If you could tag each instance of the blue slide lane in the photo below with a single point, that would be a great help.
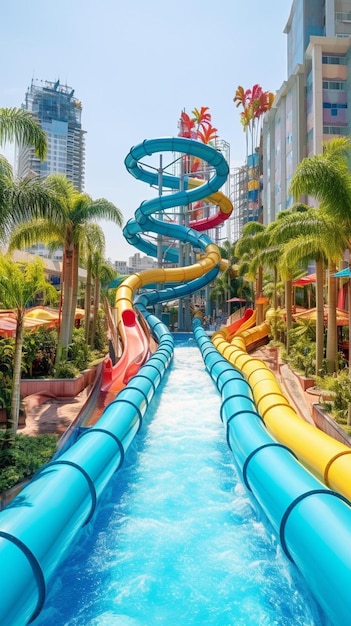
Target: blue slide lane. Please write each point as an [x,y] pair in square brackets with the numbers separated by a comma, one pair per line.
[313,522]
[40,524]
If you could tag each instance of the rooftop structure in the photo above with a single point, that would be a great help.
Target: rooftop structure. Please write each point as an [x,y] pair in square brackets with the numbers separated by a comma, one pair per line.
[59,113]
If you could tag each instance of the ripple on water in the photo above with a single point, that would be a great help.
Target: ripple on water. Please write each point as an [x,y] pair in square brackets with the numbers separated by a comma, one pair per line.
[176,538]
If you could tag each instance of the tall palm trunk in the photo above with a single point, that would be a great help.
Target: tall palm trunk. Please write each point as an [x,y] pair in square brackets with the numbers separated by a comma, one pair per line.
[275,303]
[64,337]
[75,283]
[332,338]
[288,309]
[259,286]
[349,305]
[17,360]
[320,315]
[97,292]
[87,301]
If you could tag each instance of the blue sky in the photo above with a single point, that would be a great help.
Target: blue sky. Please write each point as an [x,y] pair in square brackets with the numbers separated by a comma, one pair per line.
[135,66]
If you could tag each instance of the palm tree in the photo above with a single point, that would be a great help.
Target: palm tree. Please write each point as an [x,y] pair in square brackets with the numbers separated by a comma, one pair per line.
[309,234]
[20,126]
[67,228]
[253,240]
[94,241]
[102,273]
[326,177]
[255,103]
[230,272]
[18,286]
[22,200]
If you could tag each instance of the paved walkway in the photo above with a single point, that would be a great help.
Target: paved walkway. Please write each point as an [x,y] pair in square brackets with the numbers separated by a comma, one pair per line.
[54,415]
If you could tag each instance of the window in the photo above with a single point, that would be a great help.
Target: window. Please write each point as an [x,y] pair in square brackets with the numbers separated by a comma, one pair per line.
[334,60]
[335,130]
[333,84]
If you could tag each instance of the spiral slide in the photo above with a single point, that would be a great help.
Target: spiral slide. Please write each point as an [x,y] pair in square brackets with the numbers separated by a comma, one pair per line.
[135,346]
[39,526]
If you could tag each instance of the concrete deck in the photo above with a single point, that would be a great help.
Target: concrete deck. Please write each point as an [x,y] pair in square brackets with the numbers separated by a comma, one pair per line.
[54,415]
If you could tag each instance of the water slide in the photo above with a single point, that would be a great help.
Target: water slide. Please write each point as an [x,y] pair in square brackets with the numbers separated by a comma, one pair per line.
[135,347]
[246,321]
[312,521]
[39,526]
[325,457]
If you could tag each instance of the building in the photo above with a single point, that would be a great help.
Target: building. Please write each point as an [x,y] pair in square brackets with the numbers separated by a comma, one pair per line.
[137,263]
[120,266]
[312,105]
[59,114]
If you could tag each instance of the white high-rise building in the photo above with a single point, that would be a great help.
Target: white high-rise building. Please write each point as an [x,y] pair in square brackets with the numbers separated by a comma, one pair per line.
[313,104]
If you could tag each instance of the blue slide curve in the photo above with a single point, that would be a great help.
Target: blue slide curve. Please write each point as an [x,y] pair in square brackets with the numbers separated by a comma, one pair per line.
[40,524]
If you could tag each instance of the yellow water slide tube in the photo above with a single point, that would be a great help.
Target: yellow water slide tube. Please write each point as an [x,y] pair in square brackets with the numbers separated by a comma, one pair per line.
[328,459]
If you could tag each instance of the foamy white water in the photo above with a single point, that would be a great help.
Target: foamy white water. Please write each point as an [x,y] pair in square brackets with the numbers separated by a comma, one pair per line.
[176,539]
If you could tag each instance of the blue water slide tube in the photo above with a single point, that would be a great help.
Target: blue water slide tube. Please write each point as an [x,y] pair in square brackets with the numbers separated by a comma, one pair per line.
[143,221]
[41,522]
[39,525]
[312,522]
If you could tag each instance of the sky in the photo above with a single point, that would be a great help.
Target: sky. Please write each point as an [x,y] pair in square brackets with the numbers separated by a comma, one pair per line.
[135,66]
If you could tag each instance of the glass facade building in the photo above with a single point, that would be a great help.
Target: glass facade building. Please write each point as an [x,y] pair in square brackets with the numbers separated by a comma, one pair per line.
[59,113]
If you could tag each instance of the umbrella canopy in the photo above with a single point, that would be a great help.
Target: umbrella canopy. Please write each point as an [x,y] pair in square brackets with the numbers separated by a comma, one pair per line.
[304,280]
[342,318]
[346,273]
[33,319]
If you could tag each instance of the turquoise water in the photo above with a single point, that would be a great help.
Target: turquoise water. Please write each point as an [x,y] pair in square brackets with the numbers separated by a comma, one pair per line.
[176,539]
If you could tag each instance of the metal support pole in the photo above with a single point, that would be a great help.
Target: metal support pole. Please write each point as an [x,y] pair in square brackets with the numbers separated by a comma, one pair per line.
[181,248]
[158,306]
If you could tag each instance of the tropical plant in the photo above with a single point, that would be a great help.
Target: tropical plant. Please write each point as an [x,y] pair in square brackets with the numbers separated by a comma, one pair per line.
[307,234]
[67,229]
[93,242]
[337,399]
[19,284]
[102,273]
[252,242]
[302,355]
[326,177]
[22,200]
[27,456]
[230,273]
[255,103]
[21,126]
[39,350]
[199,127]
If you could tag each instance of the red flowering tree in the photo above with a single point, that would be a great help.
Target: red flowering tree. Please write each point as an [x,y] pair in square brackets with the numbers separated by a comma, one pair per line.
[255,103]
[199,127]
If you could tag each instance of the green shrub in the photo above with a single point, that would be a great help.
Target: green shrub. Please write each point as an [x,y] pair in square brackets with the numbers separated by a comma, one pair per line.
[78,350]
[302,354]
[66,369]
[100,337]
[25,458]
[337,396]
[39,351]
